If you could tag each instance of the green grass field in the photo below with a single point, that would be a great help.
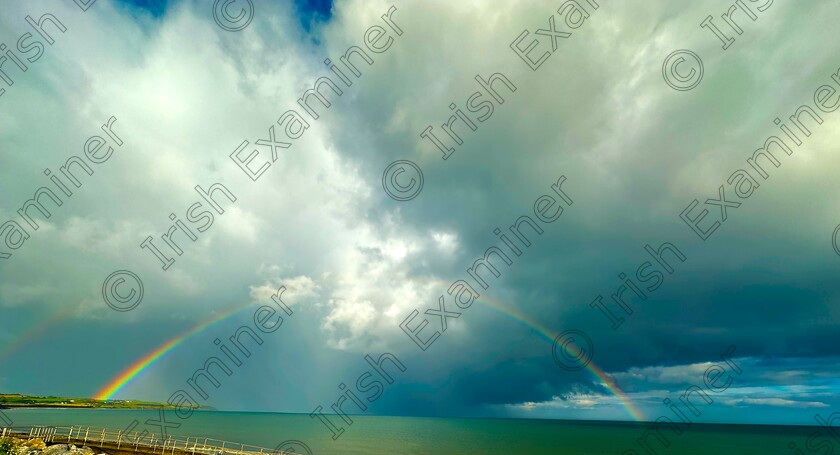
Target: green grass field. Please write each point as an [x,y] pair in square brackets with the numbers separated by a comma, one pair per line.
[16,400]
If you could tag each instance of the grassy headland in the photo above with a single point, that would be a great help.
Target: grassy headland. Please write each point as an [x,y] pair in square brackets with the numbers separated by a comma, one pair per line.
[14,400]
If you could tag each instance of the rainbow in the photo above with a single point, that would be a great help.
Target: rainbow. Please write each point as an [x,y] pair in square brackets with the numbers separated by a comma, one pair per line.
[33,334]
[132,371]
[605,380]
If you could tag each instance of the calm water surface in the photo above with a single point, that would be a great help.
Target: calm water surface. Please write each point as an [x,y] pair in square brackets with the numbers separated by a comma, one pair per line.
[371,435]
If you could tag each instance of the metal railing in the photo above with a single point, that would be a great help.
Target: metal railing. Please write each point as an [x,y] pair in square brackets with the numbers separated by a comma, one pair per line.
[140,442]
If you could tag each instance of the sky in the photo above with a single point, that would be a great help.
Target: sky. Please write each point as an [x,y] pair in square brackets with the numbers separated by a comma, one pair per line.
[356,263]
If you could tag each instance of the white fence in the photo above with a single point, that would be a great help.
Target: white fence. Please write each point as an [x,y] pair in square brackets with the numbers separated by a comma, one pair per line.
[141,442]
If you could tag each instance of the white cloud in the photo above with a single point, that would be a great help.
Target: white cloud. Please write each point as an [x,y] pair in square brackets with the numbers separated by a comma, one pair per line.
[775,402]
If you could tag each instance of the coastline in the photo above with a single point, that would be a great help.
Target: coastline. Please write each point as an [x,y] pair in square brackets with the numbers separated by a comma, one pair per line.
[70,406]
[18,401]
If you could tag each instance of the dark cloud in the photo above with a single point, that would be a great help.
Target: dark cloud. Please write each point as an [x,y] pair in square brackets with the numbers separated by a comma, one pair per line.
[634,152]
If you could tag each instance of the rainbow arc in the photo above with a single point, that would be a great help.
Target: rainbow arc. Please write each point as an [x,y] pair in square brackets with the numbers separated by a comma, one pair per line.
[137,368]
[133,371]
[602,376]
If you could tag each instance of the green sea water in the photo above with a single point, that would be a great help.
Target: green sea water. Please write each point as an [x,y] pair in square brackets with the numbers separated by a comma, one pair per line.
[370,435]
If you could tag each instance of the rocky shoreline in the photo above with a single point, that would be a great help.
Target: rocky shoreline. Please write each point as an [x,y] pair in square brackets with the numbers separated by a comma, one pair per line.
[36,446]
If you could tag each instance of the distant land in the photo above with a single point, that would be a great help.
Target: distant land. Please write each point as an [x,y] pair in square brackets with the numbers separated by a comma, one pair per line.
[15,400]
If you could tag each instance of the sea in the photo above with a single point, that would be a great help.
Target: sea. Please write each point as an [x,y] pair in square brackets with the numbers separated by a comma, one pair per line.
[372,435]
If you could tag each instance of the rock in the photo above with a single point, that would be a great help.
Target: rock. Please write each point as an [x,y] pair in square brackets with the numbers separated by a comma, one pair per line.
[38,447]
[85,450]
[34,445]
[58,449]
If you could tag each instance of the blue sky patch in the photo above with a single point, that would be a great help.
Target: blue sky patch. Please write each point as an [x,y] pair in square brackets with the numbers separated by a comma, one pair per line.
[313,11]
[155,7]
